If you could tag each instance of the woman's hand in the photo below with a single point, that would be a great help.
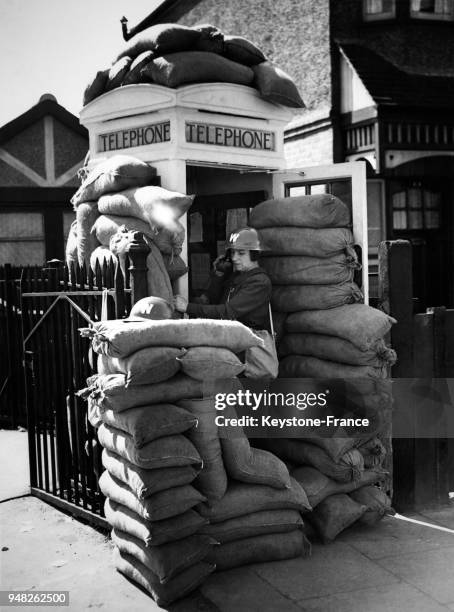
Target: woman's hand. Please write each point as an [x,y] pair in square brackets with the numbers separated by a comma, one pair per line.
[180,303]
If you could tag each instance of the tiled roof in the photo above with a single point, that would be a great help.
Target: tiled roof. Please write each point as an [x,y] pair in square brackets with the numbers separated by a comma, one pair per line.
[389,85]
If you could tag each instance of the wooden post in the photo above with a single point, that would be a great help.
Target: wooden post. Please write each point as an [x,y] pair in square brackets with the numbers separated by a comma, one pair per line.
[138,251]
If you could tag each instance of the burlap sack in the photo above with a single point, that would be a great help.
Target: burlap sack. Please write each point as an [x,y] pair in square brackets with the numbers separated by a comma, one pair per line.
[376,501]
[170,242]
[293,298]
[143,482]
[360,324]
[334,514]
[299,270]
[163,38]
[71,257]
[333,348]
[114,174]
[119,338]
[307,241]
[118,72]
[317,211]
[276,86]
[146,423]
[156,507]
[86,215]
[164,594]
[242,50]
[100,256]
[166,452]
[167,560]
[134,74]
[255,524]
[262,548]
[210,363]
[175,266]
[300,366]
[242,498]
[96,87]
[212,480]
[153,533]
[106,226]
[178,69]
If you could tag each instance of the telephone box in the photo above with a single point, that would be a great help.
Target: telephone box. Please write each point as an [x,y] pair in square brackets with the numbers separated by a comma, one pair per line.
[223,143]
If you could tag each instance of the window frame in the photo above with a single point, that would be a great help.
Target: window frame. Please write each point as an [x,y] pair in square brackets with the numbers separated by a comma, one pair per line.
[418,14]
[379,16]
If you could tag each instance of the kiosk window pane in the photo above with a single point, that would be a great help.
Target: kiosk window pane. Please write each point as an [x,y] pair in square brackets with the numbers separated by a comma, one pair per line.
[22,253]
[21,225]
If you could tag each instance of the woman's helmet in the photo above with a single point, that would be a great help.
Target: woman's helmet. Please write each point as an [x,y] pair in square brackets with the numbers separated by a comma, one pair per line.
[245,238]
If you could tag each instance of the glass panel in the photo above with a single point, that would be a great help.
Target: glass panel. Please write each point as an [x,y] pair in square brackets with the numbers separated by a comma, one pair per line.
[399,200]
[21,225]
[68,218]
[374,9]
[415,218]
[22,253]
[432,219]
[432,200]
[415,198]
[319,189]
[294,191]
[343,191]
[400,219]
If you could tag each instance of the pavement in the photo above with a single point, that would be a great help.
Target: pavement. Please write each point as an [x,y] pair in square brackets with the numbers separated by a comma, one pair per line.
[397,565]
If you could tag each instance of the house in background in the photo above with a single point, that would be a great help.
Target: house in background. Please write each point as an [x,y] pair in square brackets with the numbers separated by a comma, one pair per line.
[377,77]
[40,153]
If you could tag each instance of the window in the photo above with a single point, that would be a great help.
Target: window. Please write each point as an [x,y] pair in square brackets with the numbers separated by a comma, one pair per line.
[416,208]
[22,238]
[379,9]
[441,10]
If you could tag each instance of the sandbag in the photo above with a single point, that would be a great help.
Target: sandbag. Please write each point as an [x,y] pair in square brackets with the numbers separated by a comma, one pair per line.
[86,215]
[106,226]
[318,486]
[156,507]
[144,483]
[373,453]
[118,72]
[96,87]
[333,348]
[170,241]
[294,298]
[196,67]
[100,256]
[277,86]
[334,514]
[316,211]
[168,560]
[262,548]
[210,363]
[119,338]
[335,446]
[300,366]
[113,174]
[166,452]
[109,391]
[242,498]
[175,266]
[163,38]
[212,480]
[211,38]
[164,594]
[298,452]
[71,257]
[134,74]
[257,523]
[299,270]
[376,501]
[360,324]
[242,50]
[307,241]
[149,365]
[153,533]
[146,423]
[155,205]
[247,464]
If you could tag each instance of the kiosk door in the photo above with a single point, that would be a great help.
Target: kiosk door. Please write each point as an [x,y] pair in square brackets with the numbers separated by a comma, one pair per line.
[347,181]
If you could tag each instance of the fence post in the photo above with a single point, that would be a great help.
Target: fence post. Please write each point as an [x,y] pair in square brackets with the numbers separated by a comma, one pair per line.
[138,251]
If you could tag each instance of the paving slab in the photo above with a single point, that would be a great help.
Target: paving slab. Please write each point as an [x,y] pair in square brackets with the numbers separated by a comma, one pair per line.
[386,598]
[393,536]
[334,568]
[429,571]
[242,590]
[442,516]
[15,473]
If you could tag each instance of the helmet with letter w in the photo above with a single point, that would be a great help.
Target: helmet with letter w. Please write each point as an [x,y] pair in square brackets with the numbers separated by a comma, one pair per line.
[245,238]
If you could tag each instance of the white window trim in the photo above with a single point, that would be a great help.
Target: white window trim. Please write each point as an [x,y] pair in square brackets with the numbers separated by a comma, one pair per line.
[379,16]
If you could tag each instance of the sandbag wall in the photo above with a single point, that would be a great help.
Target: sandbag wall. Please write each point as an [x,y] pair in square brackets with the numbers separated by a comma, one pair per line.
[327,333]
[117,198]
[172,55]
[181,498]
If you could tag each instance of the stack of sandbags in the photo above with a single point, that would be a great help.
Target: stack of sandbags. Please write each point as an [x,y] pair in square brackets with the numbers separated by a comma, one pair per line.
[139,390]
[171,55]
[117,198]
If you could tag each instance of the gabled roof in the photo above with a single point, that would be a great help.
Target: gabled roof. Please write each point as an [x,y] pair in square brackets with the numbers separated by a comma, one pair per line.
[47,105]
[389,85]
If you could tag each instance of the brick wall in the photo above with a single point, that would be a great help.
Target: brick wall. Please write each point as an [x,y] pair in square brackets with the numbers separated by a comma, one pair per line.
[314,150]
